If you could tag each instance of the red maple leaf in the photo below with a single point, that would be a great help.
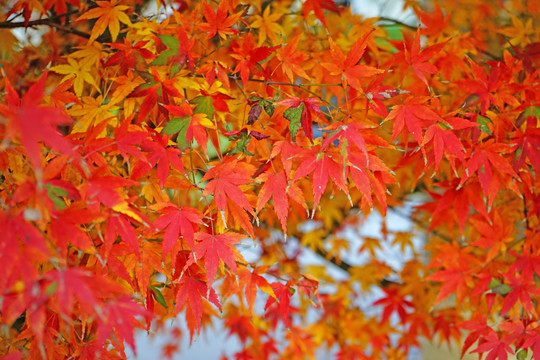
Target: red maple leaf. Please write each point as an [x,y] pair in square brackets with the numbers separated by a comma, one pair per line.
[417,59]
[32,123]
[413,115]
[161,155]
[275,186]
[310,110]
[249,57]
[71,284]
[488,161]
[323,165]
[254,280]
[317,7]
[522,291]
[218,22]
[224,179]
[129,55]
[192,291]
[347,68]
[214,249]
[178,221]
[444,141]
[120,317]
[498,348]
[281,303]
[393,301]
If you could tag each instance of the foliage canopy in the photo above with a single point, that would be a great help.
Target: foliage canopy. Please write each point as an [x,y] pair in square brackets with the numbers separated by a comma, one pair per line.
[141,151]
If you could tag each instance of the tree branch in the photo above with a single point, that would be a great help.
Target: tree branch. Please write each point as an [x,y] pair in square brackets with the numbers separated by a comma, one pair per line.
[44,22]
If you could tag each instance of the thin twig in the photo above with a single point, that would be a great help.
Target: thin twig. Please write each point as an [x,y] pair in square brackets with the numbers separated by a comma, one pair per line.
[398,22]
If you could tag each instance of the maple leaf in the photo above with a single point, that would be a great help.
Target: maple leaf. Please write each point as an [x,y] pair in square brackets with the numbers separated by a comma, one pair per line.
[60,6]
[528,143]
[484,160]
[66,231]
[323,165]
[393,301]
[376,92]
[282,301]
[436,23]
[161,156]
[191,291]
[188,126]
[519,32]
[255,280]
[452,279]
[275,186]
[301,112]
[119,317]
[495,236]
[73,283]
[79,71]
[317,7]
[413,114]
[484,85]
[478,330]
[527,263]
[218,22]
[522,291]
[498,349]
[291,59]
[444,141]
[268,26]
[417,59]
[454,204]
[216,249]
[127,141]
[129,56]
[348,132]
[109,15]
[249,57]
[33,123]
[178,221]
[347,68]
[224,179]
[119,225]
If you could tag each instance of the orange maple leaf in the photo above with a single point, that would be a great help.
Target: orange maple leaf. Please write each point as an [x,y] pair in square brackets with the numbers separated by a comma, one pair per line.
[109,16]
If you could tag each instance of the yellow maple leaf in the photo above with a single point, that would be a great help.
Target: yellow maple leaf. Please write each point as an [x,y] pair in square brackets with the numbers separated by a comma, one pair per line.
[92,111]
[268,26]
[109,15]
[79,71]
[313,240]
[519,32]
[126,84]
[90,54]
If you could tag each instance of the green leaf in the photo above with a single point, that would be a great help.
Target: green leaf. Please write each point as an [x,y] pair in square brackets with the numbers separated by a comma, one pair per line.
[242,144]
[159,297]
[521,355]
[294,115]
[55,193]
[169,40]
[173,44]
[484,121]
[393,32]
[268,107]
[205,105]
[179,125]
[502,289]
[175,125]
[51,288]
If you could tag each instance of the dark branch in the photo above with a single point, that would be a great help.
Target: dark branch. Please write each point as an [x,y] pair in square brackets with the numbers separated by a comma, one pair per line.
[44,22]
